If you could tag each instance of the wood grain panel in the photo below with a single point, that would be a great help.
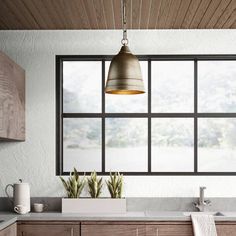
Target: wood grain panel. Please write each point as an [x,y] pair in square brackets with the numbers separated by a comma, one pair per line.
[163,14]
[9,18]
[33,10]
[17,7]
[136,13]
[154,13]
[209,13]
[9,231]
[226,14]
[193,7]
[99,228]
[117,13]
[106,14]
[57,15]
[145,14]
[61,229]
[99,14]
[82,14]
[233,26]
[182,11]
[200,12]
[226,229]
[230,21]
[12,100]
[217,14]
[3,25]
[169,230]
[114,230]
[71,10]
[108,10]
[129,14]
[44,12]
[174,7]
[91,13]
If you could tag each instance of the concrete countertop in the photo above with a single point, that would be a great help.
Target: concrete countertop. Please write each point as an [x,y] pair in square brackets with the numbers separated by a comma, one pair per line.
[10,218]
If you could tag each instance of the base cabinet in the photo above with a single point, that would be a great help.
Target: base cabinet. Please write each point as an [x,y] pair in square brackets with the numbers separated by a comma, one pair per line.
[58,229]
[9,231]
[99,228]
[226,229]
[169,230]
[136,230]
[114,230]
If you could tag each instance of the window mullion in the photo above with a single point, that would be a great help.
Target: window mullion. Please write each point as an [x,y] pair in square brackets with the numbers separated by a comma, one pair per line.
[149,117]
[103,117]
[195,116]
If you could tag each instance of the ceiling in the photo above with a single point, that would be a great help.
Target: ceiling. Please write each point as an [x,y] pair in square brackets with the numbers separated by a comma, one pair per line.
[106,14]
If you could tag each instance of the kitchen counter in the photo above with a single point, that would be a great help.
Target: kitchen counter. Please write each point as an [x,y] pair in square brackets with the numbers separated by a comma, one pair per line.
[9,217]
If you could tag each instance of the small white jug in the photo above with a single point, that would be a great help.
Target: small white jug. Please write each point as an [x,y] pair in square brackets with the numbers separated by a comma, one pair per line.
[21,194]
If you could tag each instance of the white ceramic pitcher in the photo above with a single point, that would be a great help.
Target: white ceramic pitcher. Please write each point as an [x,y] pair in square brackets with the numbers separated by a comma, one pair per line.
[21,194]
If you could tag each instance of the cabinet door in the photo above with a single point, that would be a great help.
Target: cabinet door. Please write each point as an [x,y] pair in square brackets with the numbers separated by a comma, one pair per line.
[9,231]
[114,230]
[226,230]
[169,230]
[48,230]
[12,100]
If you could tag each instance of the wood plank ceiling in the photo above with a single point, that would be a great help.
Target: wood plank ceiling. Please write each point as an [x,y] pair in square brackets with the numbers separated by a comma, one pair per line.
[106,14]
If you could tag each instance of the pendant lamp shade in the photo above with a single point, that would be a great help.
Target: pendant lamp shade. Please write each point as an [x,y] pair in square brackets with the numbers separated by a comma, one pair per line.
[124,76]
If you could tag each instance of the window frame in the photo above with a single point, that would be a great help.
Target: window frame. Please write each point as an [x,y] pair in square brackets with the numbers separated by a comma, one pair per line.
[149,58]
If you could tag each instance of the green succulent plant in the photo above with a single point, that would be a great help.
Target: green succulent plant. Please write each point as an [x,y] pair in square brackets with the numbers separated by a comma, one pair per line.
[115,185]
[74,185]
[95,185]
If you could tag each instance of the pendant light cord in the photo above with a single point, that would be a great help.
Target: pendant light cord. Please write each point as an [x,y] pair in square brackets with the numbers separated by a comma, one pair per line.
[124,41]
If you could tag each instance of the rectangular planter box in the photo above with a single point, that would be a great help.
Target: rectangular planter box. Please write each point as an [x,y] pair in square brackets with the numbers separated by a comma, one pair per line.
[94,205]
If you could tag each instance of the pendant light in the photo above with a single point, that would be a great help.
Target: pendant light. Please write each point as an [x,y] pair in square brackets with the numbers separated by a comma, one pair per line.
[124,75]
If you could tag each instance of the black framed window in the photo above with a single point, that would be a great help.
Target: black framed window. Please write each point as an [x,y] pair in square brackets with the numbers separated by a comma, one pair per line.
[185,123]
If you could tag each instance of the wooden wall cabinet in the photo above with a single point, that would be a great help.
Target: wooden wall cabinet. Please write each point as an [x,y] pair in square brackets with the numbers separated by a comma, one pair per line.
[12,100]
[9,231]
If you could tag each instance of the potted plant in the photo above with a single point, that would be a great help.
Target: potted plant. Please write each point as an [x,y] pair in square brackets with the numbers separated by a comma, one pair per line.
[95,185]
[115,185]
[95,204]
[73,185]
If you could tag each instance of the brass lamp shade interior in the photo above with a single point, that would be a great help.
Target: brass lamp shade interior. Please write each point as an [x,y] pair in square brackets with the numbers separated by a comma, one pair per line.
[124,76]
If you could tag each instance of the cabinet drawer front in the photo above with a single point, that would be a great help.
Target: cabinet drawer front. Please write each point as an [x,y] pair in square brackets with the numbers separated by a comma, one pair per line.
[226,230]
[48,230]
[169,230]
[114,230]
[9,231]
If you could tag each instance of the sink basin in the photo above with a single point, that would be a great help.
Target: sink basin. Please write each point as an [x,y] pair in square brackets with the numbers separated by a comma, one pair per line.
[204,213]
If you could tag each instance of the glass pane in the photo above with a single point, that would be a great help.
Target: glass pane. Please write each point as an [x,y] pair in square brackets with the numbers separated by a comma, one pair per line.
[172,144]
[217,144]
[172,86]
[128,103]
[82,144]
[82,86]
[216,86]
[126,144]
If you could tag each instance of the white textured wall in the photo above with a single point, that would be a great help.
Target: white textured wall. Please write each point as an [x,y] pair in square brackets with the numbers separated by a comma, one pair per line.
[34,160]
